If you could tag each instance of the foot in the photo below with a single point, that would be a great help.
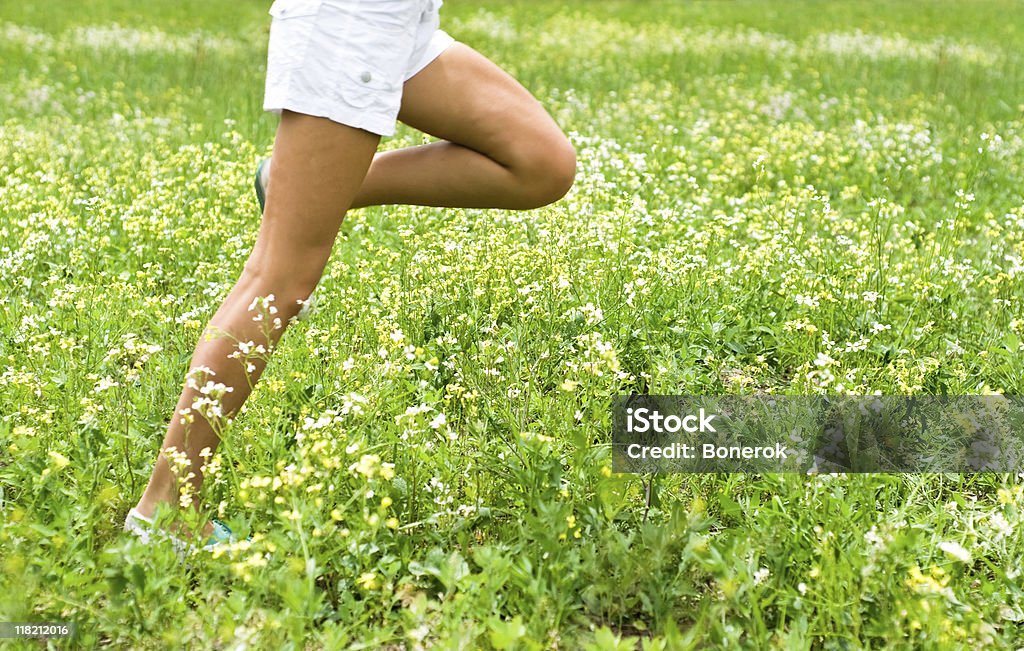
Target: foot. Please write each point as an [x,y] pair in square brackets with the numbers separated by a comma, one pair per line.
[145,513]
[144,529]
[261,181]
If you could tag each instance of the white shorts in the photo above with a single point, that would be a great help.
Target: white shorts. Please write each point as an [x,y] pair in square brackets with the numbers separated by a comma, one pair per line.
[347,60]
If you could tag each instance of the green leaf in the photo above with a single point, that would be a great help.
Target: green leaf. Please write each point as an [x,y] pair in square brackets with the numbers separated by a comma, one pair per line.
[504,632]
[138,576]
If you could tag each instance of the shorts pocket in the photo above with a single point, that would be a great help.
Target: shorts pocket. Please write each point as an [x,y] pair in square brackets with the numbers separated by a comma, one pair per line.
[363,87]
[369,47]
[363,81]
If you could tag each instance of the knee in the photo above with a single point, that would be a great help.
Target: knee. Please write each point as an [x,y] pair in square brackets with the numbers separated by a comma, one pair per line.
[550,171]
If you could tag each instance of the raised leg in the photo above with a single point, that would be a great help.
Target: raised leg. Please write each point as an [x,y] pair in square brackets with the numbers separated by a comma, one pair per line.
[499,148]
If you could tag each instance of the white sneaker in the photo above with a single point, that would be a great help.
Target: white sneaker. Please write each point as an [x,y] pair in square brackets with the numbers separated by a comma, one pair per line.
[144,528]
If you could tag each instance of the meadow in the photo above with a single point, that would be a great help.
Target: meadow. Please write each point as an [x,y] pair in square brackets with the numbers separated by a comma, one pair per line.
[799,198]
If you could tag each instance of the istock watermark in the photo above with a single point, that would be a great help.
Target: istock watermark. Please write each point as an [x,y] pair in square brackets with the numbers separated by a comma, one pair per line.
[645,420]
[809,434]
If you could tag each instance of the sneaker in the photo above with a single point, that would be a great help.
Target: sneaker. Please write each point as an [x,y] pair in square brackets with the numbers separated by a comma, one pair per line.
[144,528]
[260,182]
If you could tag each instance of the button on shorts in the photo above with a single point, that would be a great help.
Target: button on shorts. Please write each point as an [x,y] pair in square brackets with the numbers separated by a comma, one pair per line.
[347,60]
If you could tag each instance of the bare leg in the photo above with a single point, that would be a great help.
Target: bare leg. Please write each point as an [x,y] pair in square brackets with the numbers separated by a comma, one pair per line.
[320,166]
[499,148]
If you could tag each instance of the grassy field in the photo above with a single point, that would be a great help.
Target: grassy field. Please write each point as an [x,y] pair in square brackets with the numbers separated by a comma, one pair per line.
[798,198]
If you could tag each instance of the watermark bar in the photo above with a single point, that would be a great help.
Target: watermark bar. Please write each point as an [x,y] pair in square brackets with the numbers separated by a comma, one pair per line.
[818,434]
[36,629]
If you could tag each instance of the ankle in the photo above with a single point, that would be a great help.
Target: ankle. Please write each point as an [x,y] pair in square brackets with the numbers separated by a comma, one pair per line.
[147,507]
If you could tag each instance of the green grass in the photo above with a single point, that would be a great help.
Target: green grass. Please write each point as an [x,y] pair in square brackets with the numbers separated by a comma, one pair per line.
[767,201]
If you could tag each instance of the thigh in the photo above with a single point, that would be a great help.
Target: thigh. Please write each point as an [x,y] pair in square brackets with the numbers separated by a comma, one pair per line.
[463,97]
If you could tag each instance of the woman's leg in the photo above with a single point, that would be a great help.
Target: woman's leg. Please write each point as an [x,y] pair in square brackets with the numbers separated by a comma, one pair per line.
[499,148]
[319,166]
